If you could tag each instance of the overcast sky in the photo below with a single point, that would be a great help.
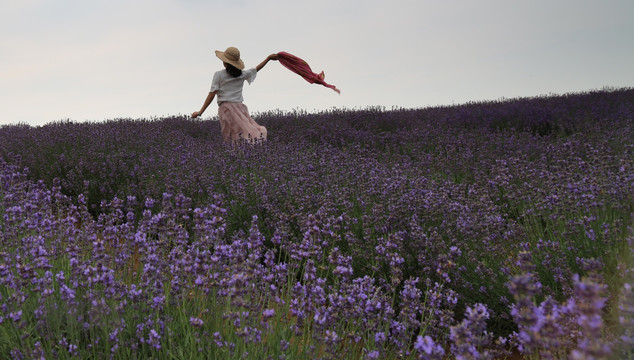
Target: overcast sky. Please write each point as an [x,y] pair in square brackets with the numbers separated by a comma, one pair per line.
[97,60]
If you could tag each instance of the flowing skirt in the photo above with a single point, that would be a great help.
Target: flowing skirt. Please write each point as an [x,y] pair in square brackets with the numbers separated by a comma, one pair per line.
[236,124]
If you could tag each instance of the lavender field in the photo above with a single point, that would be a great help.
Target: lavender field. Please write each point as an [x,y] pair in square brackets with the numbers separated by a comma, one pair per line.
[487,230]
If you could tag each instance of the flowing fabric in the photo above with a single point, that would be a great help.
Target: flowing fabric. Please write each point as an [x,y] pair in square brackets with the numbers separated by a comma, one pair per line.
[301,67]
[237,124]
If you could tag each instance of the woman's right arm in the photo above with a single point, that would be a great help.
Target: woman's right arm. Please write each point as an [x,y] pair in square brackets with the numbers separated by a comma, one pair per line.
[268,58]
[208,100]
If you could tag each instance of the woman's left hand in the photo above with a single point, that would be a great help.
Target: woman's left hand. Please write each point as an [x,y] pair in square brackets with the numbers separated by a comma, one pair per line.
[195,114]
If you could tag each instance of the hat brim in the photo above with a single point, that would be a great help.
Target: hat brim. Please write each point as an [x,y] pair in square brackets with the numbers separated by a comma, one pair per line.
[238,64]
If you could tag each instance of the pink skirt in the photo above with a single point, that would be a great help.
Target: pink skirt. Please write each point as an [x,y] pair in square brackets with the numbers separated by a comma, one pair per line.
[236,123]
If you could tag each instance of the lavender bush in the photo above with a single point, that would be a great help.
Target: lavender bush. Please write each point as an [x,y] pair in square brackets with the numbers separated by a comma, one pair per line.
[474,231]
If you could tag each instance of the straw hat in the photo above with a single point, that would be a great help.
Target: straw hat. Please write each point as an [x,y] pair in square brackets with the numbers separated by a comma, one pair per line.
[231,56]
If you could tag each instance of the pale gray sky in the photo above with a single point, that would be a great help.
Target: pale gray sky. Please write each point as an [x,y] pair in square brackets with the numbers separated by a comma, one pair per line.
[97,60]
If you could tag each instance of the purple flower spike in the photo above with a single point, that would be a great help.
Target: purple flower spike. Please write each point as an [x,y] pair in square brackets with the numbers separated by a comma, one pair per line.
[373,355]
[427,349]
[154,339]
[589,302]
[16,316]
[196,322]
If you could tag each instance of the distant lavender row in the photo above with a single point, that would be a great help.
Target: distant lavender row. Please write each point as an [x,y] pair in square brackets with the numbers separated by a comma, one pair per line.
[461,226]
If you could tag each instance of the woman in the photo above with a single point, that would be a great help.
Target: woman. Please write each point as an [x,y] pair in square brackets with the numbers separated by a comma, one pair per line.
[235,121]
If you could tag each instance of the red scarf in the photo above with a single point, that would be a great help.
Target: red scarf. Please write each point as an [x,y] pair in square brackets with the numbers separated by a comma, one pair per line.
[301,67]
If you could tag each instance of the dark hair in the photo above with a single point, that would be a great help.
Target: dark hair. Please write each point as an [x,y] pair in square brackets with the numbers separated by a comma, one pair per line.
[232,70]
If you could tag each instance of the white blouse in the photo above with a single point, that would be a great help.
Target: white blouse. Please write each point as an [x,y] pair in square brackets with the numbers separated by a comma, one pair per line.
[229,88]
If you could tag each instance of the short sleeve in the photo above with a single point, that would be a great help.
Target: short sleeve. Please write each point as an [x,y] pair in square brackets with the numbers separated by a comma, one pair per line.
[215,83]
[249,75]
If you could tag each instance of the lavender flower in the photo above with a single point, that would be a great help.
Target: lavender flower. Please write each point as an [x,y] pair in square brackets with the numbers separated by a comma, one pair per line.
[196,322]
[588,304]
[427,349]
[373,355]
[154,339]
[470,338]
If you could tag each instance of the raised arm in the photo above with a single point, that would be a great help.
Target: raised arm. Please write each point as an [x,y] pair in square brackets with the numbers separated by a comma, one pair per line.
[208,100]
[268,58]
